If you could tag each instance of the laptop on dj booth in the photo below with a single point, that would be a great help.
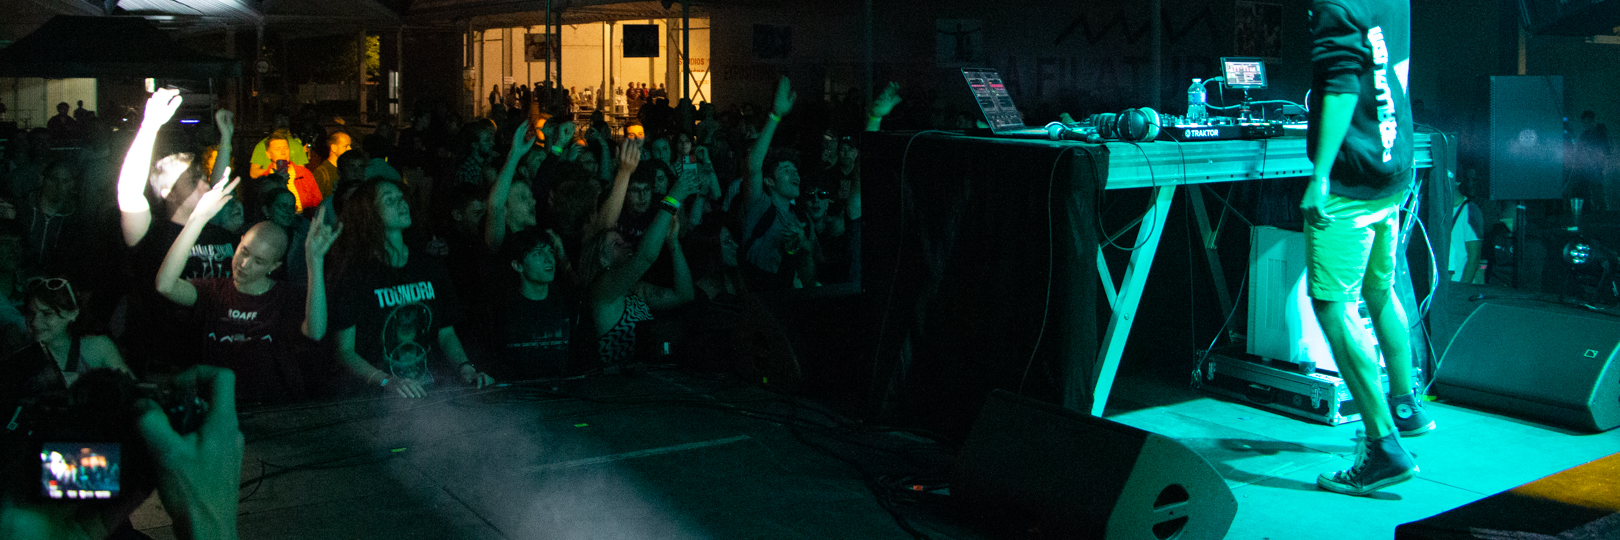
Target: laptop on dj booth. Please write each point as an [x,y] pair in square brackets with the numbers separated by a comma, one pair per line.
[997,105]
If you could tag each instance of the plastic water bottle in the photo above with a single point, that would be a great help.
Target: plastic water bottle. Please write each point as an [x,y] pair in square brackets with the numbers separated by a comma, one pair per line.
[1196,113]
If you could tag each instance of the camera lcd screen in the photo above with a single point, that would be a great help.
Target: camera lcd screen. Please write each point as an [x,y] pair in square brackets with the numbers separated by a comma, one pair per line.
[70,470]
[1248,73]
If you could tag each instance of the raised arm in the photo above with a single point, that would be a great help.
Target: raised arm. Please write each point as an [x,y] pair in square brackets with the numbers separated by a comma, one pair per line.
[618,280]
[1329,136]
[226,121]
[882,105]
[629,159]
[661,298]
[136,214]
[168,282]
[495,218]
[754,180]
[316,245]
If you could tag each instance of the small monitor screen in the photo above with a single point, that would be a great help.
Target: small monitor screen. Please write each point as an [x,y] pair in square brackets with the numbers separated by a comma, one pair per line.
[79,470]
[1244,72]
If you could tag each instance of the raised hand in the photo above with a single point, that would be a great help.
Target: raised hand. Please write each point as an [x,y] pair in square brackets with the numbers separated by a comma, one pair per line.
[522,140]
[785,96]
[321,236]
[885,101]
[225,120]
[556,244]
[161,107]
[213,200]
[686,184]
[629,155]
[559,134]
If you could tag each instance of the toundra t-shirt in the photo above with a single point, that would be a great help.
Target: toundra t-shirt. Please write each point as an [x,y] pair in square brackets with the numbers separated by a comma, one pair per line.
[396,313]
[255,336]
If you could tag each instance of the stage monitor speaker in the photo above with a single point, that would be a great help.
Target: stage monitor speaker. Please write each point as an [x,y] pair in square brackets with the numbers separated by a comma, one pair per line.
[1028,463]
[1527,137]
[1551,366]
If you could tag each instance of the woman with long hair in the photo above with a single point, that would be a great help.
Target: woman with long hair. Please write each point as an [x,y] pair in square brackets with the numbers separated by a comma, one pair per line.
[391,307]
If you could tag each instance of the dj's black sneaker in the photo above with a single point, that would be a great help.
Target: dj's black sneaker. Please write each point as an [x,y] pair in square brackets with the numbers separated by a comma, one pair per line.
[1409,416]
[1380,463]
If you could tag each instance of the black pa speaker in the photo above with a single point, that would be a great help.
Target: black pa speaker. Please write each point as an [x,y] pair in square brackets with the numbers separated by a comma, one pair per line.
[1028,463]
[1527,137]
[1550,366]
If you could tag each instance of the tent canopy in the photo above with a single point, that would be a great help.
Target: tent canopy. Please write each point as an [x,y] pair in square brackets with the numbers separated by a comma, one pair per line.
[74,46]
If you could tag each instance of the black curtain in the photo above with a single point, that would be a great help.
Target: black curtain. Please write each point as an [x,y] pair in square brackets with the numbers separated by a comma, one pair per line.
[981,264]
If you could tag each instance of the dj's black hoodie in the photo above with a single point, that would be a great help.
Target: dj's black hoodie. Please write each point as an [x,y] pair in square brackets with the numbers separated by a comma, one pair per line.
[1364,47]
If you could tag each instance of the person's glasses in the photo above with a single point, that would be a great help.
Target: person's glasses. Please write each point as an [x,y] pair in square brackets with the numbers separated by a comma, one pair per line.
[820,194]
[57,284]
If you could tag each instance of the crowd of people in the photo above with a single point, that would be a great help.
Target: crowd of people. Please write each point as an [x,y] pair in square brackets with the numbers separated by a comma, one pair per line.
[517,246]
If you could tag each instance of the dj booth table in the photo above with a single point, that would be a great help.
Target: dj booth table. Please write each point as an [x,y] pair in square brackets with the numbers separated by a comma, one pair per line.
[948,215]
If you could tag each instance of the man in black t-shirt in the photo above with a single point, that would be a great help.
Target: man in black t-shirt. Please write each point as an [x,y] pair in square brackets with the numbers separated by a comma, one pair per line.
[1360,142]
[532,325]
[151,335]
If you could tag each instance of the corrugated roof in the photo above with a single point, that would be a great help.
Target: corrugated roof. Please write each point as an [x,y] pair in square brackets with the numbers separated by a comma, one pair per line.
[75,46]
[509,13]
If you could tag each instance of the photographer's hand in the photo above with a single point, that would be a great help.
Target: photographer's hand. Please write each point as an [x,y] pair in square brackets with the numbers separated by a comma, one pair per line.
[198,473]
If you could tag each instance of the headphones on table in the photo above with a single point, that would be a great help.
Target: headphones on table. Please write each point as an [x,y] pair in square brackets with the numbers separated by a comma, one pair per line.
[1140,124]
[1137,125]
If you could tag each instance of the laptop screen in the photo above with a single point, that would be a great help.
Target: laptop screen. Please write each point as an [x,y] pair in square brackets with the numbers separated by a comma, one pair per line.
[993,99]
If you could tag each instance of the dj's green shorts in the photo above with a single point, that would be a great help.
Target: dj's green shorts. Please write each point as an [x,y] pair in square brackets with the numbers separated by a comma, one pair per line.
[1357,249]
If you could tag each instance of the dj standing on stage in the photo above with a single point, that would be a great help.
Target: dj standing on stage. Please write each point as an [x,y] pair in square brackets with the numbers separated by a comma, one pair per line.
[1360,141]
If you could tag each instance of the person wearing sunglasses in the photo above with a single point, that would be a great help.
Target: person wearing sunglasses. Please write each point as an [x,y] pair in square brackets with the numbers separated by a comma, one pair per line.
[59,350]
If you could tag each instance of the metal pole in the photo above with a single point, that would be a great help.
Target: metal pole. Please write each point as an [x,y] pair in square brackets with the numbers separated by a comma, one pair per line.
[399,73]
[1157,80]
[686,49]
[548,40]
[360,48]
[558,46]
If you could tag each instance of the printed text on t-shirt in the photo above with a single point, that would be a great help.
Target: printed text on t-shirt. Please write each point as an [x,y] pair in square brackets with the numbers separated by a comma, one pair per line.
[404,294]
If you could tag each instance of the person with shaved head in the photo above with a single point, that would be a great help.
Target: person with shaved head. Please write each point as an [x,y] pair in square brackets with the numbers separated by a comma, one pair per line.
[251,322]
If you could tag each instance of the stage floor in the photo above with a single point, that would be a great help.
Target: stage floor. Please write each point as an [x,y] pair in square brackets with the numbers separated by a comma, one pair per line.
[667,455]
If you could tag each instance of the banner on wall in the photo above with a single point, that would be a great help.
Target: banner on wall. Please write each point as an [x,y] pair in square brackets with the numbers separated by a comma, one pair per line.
[959,42]
[535,45]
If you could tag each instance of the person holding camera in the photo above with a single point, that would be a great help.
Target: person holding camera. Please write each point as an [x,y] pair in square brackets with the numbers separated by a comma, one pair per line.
[298,179]
[195,470]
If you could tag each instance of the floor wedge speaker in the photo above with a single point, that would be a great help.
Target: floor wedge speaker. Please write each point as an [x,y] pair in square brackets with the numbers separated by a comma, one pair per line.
[1028,464]
[1549,366]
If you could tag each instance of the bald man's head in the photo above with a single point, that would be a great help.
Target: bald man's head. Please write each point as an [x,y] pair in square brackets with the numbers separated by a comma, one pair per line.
[260,252]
